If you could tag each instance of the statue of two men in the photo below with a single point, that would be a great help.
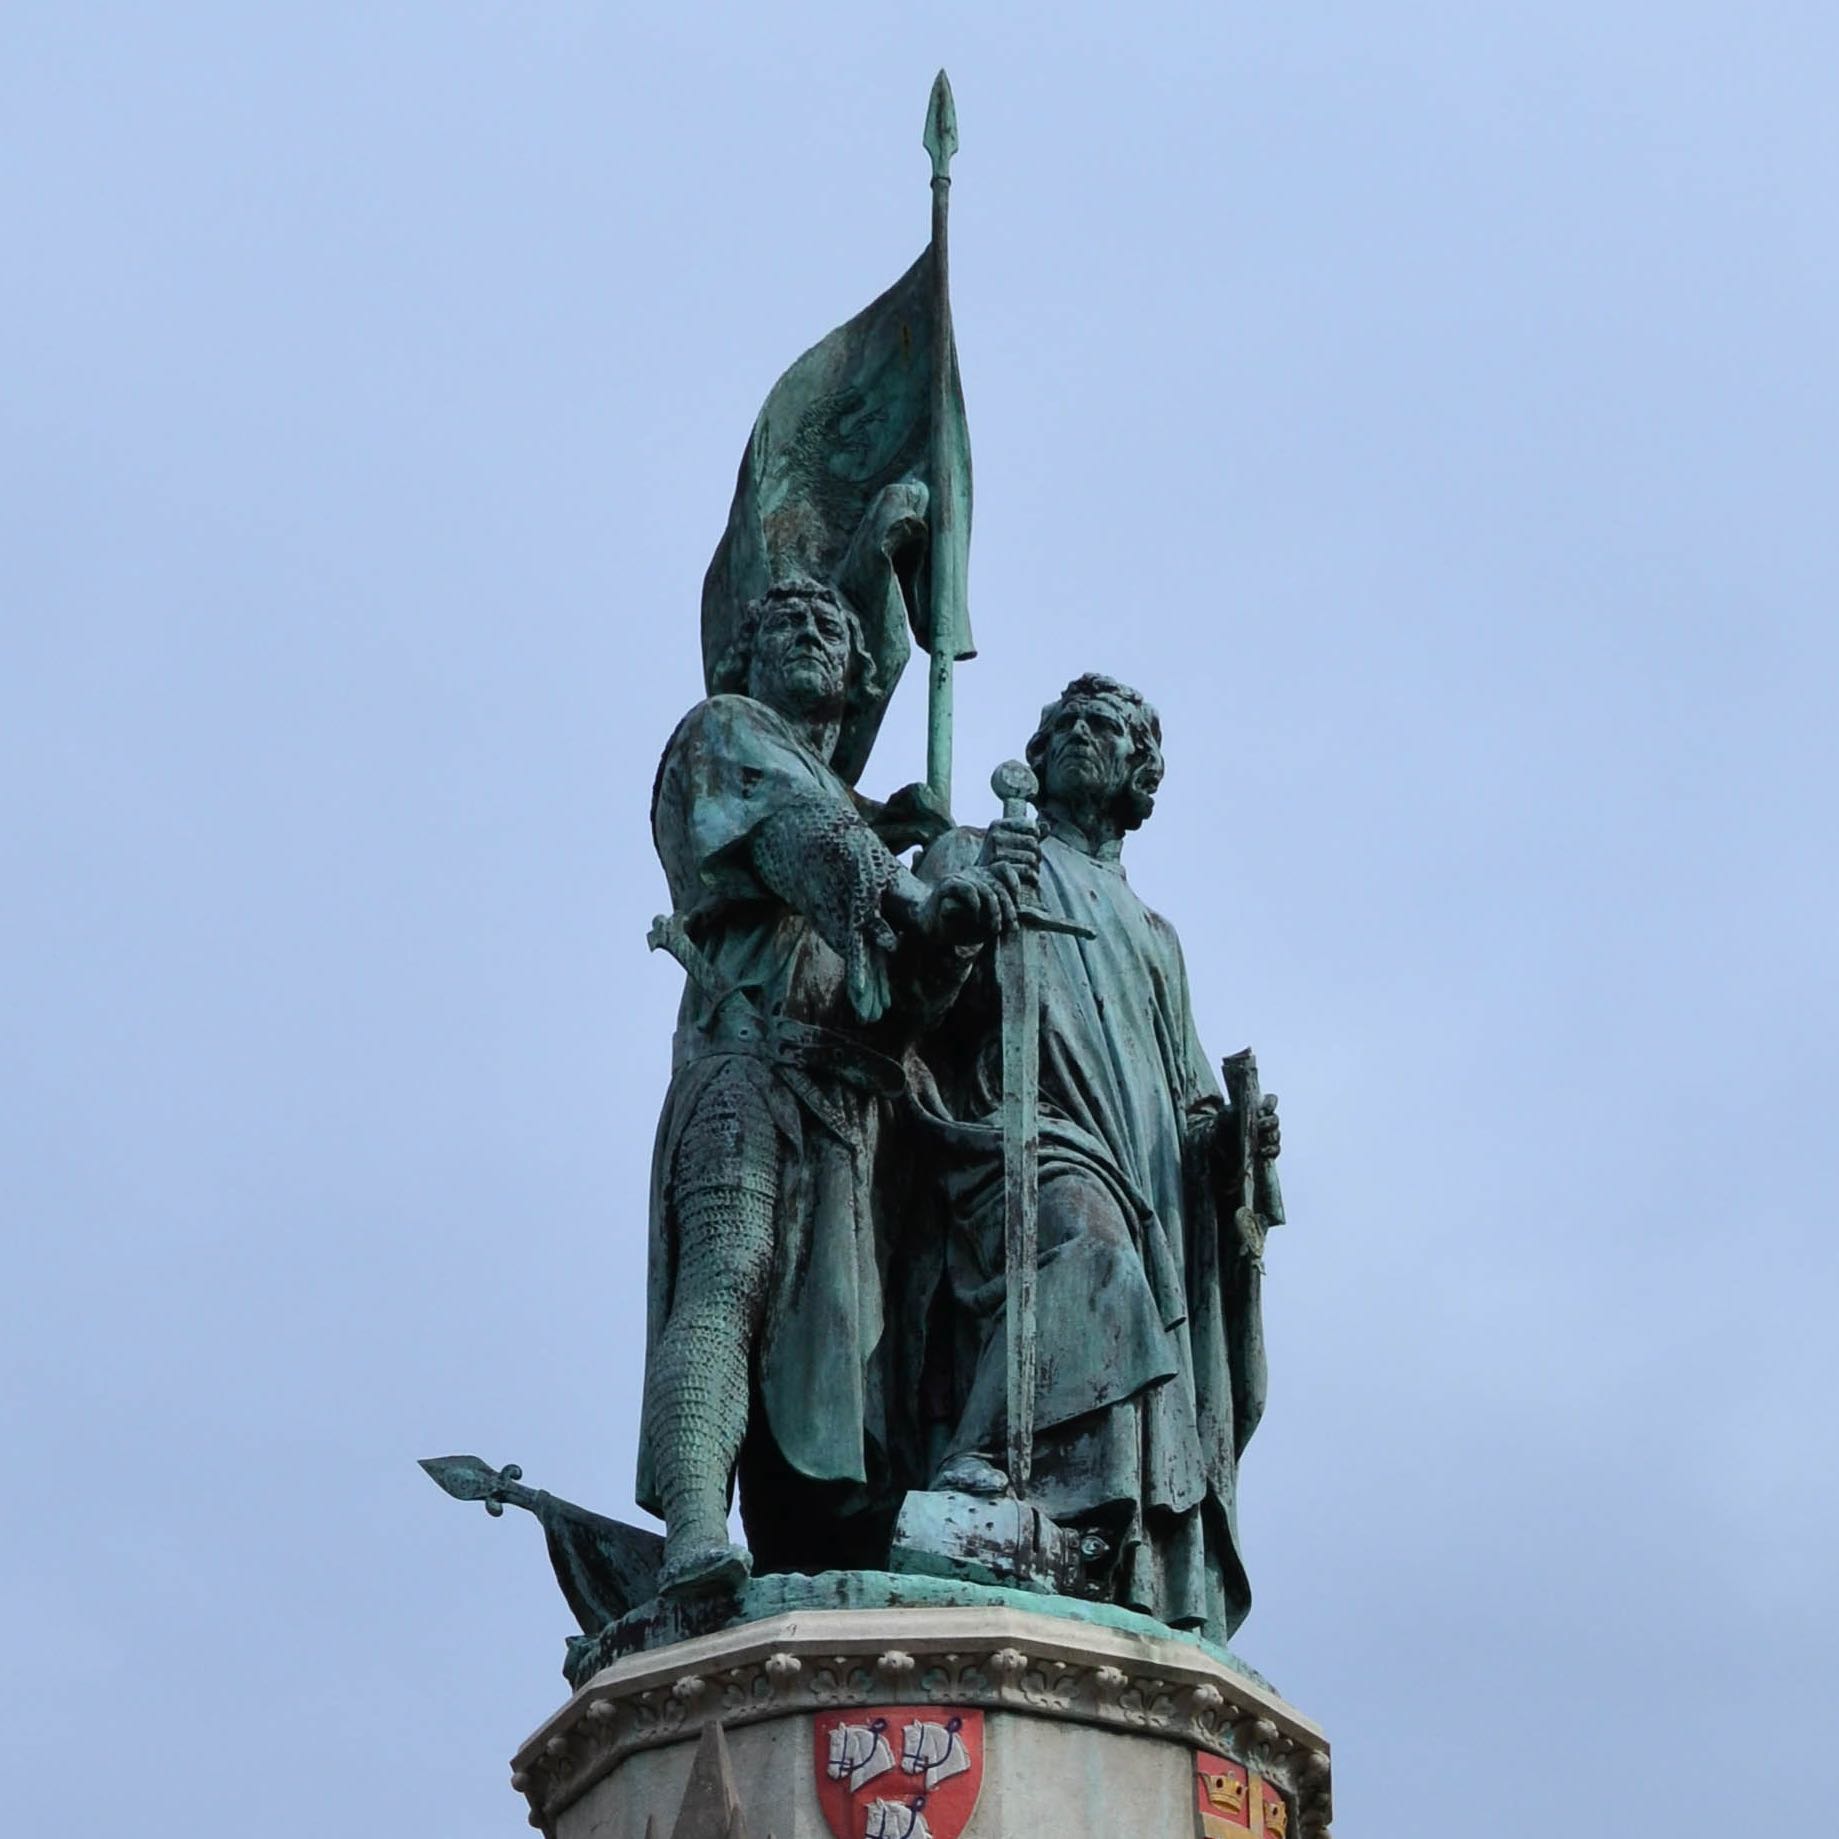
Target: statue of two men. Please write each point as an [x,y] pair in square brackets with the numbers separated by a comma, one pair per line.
[840,1019]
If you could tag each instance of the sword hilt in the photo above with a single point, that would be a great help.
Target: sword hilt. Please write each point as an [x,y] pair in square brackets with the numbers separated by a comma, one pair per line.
[1015,784]
[1037,921]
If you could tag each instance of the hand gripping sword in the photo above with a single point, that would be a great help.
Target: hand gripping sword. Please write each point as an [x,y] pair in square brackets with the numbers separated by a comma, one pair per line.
[1018,976]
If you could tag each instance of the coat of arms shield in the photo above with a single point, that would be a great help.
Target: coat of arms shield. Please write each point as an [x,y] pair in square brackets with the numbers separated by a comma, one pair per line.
[1234,1802]
[899,1771]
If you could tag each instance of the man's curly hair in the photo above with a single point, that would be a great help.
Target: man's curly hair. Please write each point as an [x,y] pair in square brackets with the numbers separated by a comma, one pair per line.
[1144,725]
[736,663]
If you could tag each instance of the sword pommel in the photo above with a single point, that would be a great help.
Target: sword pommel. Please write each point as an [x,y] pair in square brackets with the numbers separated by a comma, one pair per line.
[1016,785]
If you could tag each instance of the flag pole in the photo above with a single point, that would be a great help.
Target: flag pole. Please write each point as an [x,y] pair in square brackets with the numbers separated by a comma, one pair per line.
[947,549]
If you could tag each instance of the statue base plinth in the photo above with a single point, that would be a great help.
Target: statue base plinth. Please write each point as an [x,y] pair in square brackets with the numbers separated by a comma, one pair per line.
[926,1723]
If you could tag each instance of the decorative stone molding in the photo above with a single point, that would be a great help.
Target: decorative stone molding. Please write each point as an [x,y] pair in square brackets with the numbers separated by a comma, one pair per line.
[1001,1660]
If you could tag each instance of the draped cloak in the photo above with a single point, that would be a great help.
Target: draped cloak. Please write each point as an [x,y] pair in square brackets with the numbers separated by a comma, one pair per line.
[1152,1362]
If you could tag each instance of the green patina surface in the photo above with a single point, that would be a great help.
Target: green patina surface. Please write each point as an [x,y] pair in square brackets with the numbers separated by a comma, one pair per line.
[762,1598]
[948,1204]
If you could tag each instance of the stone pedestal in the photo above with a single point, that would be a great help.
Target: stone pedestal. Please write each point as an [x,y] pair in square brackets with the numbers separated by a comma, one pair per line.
[983,1721]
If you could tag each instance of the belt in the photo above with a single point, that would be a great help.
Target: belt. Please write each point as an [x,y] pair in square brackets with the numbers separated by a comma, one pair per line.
[738,1029]
[736,1025]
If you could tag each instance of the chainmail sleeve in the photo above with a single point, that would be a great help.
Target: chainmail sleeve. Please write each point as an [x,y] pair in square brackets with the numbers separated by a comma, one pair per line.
[823,861]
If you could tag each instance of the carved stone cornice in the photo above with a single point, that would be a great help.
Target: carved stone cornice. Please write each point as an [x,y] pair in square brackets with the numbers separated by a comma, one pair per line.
[1000,1659]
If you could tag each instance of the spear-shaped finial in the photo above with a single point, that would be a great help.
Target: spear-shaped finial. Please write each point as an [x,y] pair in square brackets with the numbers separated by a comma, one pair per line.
[466,1478]
[941,138]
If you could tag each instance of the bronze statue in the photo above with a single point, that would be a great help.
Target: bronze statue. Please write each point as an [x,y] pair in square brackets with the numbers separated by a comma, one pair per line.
[1149,1362]
[812,954]
[955,1241]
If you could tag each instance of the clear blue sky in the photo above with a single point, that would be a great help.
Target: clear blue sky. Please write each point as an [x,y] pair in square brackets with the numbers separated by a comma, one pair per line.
[1431,407]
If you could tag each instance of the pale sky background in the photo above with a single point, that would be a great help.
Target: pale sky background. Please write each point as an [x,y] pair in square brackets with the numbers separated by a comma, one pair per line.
[1431,407]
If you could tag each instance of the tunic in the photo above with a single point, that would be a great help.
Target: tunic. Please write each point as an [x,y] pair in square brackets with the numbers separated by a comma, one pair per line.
[731,764]
[1150,1350]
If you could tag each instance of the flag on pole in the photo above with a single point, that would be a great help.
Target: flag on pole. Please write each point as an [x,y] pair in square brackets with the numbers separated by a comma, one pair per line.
[836,485]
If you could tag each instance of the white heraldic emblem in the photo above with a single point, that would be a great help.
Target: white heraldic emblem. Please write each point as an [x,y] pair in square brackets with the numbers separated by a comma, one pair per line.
[895,1820]
[858,1754]
[935,1751]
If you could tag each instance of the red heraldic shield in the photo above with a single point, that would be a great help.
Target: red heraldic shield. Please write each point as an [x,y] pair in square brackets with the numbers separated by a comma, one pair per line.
[1234,1802]
[1224,1793]
[899,1771]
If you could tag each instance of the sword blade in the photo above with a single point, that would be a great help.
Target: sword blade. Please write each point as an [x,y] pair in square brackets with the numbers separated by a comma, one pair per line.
[1018,971]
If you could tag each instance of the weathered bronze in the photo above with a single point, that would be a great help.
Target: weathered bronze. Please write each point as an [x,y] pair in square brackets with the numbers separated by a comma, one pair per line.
[1150,1364]
[605,1567]
[950,457]
[956,1242]
[815,958]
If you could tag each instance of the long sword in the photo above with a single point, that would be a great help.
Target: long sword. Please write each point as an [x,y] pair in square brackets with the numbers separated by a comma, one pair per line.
[1018,977]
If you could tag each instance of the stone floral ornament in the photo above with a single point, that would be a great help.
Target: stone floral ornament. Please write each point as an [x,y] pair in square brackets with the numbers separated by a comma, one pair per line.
[876,1715]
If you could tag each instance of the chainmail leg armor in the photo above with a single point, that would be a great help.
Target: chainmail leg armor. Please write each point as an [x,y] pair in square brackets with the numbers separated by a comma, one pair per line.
[724,1193]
